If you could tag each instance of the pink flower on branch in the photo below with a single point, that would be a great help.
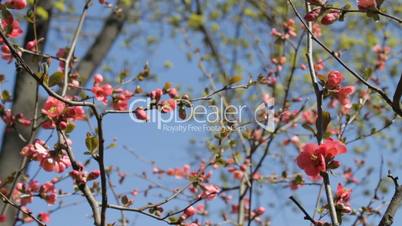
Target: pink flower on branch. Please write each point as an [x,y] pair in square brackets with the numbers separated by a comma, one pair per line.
[314,158]
[342,199]
[366,4]
[16,4]
[334,79]
[53,107]
[210,191]
[331,17]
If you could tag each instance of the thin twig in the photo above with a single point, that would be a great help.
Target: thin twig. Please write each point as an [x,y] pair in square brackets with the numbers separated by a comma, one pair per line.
[330,199]
[396,19]
[83,186]
[359,77]
[73,45]
[8,201]
[306,215]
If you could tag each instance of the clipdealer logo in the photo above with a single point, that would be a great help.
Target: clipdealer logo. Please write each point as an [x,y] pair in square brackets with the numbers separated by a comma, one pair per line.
[199,118]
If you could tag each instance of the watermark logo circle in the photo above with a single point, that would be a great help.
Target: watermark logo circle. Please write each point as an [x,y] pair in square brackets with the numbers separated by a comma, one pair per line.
[266,109]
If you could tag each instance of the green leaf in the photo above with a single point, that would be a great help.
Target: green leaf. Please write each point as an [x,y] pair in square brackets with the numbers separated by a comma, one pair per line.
[29,17]
[195,20]
[173,220]
[250,12]
[56,79]
[299,179]
[70,128]
[127,3]
[123,75]
[235,79]
[42,12]
[59,5]
[43,77]
[5,96]
[168,64]
[112,145]
[92,143]
[326,119]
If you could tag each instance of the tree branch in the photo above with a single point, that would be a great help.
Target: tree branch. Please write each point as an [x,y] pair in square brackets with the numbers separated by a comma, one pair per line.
[83,187]
[306,215]
[359,77]
[104,41]
[74,42]
[394,205]
[8,201]
[397,95]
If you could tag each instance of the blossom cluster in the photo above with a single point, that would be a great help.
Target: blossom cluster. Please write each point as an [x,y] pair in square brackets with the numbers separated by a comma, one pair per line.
[24,193]
[337,92]
[11,26]
[51,161]
[60,114]
[165,106]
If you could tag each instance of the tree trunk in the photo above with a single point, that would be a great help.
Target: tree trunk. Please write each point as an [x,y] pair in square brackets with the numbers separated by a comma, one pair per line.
[23,102]
[25,87]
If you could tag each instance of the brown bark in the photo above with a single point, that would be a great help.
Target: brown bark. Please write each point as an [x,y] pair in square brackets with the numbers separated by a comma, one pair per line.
[25,87]
[394,205]
[99,49]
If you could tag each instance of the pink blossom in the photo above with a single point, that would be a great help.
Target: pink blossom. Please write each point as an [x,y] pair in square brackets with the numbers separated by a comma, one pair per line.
[6,54]
[102,92]
[156,94]
[79,176]
[313,14]
[259,211]
[53,107]
[98,78]
[12,26]
[314,158]
[344,93]
[16,4]
[141,114]
[55,162]
[366,4]
[289,30]
[172,92]
[3,218]
[44,217]
[319,65]
[75,113]
[61,53]
[93,175]
[189,212]
[331,17]
[26,218]
[48,192]
[35,151]
[168,105]
[316,30]
[309,117]
[120,101]
[31,46]
[334,79]
[210,191]
[342,199]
